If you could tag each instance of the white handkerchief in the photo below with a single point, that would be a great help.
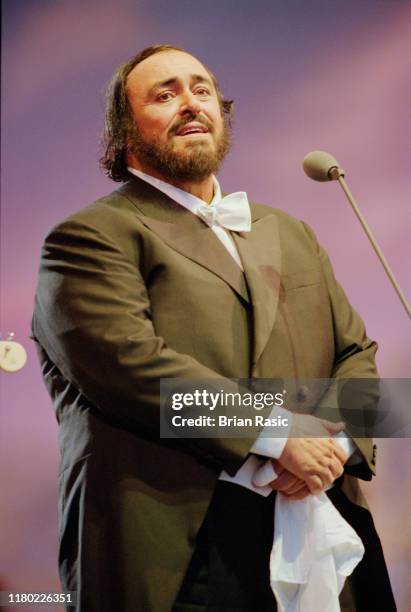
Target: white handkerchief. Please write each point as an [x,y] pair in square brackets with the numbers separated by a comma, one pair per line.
[314,548]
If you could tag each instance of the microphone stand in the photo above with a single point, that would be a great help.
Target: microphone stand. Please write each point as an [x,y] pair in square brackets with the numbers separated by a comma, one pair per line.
[337,174]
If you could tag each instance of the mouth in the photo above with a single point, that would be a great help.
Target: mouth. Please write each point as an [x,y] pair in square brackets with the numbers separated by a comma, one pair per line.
[191,129]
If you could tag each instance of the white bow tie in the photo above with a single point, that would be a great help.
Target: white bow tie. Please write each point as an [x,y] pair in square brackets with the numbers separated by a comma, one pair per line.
[232,212]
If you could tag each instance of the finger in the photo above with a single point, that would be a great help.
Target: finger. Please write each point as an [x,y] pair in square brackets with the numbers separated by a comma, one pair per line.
[284,481]
[339,452]
[327,477]
[323,471]
[333,428]
[295,488]
[314,484]
[301,494]
[336,468]
[331,468]
[278,468]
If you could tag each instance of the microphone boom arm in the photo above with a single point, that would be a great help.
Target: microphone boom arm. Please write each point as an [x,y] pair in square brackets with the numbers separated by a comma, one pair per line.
[338,174]
[322,166]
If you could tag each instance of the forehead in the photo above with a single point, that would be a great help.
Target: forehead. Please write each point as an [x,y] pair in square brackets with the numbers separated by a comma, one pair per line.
[164,66]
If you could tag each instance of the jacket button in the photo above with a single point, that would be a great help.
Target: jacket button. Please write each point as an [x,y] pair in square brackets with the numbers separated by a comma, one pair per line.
[302,393]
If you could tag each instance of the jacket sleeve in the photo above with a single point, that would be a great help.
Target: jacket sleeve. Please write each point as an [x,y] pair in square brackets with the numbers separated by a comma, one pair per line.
[355,371]
[90,318]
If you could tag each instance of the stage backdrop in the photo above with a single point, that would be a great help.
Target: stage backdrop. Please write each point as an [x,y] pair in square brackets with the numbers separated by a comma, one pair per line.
[312,74]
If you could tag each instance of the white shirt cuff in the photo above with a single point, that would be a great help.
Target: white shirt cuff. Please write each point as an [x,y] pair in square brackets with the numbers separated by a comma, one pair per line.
[354,454]
[273,447]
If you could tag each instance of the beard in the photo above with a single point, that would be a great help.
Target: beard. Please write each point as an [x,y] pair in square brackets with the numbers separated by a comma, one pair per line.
[196,162]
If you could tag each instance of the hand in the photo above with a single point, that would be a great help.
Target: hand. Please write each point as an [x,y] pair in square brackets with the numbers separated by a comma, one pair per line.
[288,484]
[317,461]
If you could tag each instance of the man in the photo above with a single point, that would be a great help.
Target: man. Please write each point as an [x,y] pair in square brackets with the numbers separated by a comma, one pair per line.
[160,279]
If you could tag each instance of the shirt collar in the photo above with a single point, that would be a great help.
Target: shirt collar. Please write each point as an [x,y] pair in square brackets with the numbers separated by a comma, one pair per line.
[188,200]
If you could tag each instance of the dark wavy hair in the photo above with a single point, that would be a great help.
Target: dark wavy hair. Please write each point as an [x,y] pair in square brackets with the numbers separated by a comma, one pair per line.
[119,119]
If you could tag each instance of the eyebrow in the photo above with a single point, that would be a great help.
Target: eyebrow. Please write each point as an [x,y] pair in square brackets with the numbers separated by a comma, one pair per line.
[194,78]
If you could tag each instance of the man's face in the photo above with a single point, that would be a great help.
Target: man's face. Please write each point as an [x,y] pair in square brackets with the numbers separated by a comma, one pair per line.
[179,131]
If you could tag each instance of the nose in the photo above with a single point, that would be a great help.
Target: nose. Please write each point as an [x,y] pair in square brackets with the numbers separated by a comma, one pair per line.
[189,103]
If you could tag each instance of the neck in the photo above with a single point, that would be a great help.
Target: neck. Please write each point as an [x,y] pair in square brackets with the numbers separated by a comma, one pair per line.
[203,188]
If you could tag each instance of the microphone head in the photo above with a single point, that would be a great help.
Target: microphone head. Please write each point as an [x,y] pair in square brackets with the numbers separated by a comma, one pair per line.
[318,164]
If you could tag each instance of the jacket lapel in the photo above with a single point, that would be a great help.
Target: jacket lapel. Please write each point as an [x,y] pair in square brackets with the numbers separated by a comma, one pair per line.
[259,250]
[260,253]
[184,232]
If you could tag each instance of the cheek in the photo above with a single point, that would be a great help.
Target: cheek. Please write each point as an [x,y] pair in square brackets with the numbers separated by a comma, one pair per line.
[218,125]
[218,120]
[155,124]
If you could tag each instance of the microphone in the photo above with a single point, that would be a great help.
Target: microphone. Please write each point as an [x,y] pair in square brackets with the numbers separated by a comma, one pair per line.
[322,166]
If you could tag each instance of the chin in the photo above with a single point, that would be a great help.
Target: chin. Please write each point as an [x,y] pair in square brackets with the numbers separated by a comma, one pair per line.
[203,146]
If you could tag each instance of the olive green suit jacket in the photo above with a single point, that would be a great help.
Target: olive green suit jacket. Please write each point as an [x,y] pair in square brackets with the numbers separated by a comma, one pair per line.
[135,288]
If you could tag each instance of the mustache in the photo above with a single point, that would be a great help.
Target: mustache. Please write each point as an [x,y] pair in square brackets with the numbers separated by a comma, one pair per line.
[189,119]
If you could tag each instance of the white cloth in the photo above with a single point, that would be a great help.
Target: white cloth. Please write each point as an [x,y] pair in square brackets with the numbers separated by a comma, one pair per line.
[314,548]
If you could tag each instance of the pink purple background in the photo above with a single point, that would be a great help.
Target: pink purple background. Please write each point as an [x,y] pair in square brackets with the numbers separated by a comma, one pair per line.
[315,74]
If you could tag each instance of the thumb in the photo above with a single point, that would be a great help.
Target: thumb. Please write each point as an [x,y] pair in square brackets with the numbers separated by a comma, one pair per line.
[333,428]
